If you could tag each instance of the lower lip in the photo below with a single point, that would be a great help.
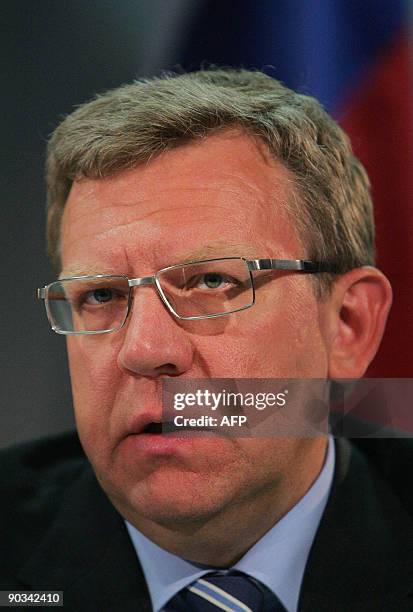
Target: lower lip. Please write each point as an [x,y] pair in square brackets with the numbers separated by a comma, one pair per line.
[167,444]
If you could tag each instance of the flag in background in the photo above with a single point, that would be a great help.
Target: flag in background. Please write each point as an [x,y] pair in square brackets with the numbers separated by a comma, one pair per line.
[355,57]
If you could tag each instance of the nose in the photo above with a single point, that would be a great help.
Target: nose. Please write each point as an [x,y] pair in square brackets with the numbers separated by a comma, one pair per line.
[154,342]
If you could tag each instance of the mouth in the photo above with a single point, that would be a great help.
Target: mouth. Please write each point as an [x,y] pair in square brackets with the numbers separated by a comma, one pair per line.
[168,427]
[150,426]
[156,437]
[155,427]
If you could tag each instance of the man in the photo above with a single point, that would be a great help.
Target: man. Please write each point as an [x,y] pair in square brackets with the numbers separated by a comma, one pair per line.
[216,165]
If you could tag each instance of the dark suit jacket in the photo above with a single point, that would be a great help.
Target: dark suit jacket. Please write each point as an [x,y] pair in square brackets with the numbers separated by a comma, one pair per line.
[59,532]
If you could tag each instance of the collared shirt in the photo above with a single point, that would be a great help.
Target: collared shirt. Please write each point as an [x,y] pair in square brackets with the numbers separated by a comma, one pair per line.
[278,559]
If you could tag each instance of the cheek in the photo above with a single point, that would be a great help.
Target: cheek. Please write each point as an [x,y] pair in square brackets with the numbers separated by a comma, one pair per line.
[279,337]
[94,378]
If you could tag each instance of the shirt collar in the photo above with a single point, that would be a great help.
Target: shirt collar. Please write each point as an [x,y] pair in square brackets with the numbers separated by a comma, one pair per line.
[278,559]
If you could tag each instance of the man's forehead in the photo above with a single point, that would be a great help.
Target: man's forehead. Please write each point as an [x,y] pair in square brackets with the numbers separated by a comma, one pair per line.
[230,202]
[213,250]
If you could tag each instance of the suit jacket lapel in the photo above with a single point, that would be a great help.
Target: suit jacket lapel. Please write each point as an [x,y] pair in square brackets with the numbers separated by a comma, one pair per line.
[362,556]
[88,554]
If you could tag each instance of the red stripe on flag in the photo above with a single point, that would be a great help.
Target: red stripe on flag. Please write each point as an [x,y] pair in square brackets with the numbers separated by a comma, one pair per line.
[379,120]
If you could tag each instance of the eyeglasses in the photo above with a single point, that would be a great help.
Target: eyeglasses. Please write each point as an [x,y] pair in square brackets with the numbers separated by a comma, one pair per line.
[192,291]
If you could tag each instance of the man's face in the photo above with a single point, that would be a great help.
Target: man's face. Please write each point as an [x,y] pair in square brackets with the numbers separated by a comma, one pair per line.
[222,196]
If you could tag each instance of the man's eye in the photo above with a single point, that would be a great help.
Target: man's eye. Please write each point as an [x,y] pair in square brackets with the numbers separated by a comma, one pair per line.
[99,296]
[211,280]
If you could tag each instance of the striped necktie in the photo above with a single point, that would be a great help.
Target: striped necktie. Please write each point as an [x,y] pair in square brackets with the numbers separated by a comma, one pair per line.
[228,590]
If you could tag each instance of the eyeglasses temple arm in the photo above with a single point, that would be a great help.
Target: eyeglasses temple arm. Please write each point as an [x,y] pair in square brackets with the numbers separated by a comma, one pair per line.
[290,264]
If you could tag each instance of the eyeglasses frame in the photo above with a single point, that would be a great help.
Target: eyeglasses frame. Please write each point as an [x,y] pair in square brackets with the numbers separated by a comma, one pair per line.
[253,265]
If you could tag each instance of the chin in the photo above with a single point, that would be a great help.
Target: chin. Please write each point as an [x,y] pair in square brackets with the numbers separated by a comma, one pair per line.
[171,501]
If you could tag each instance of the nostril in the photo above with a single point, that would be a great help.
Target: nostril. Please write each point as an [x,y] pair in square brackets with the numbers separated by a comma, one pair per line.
[168,369]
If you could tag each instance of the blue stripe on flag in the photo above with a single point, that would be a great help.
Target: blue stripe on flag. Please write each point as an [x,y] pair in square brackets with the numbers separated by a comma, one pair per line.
[321,47]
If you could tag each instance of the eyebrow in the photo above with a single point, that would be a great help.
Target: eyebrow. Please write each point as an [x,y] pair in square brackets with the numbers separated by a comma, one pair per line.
[87,270]
[209,251]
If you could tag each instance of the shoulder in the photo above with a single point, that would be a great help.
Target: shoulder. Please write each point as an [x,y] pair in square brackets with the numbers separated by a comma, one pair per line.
[362,556]
[50,461]
[392,460]
[33,476]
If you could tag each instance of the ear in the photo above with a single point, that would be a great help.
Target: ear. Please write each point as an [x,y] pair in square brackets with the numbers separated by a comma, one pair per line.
[359,305]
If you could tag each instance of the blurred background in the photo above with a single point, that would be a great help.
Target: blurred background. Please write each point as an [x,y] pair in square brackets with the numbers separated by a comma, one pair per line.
[354,55]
